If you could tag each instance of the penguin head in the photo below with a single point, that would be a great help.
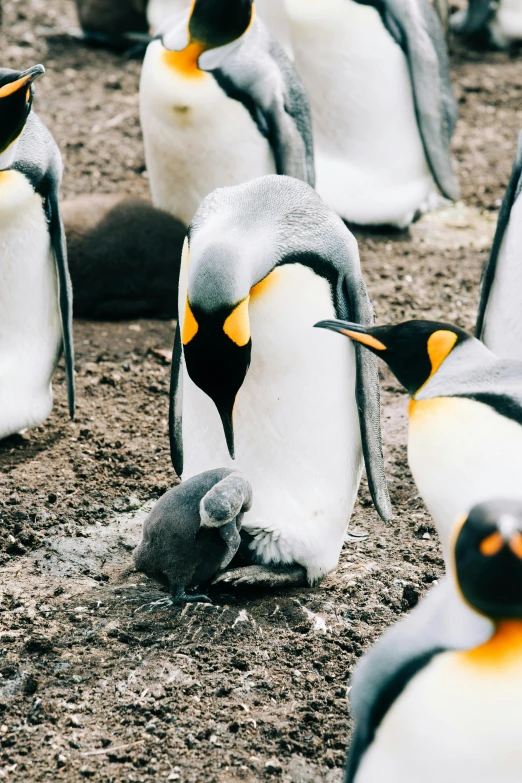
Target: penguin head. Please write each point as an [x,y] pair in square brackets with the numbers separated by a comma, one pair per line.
[413,350]
[488,559]
[215,23]
[16,100]
[216,332]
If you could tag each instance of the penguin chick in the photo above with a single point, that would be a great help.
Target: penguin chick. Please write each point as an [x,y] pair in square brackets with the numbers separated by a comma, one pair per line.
[499,322]
[35,288]
[440,701]
[124,257]
[193,531]
[496,24]
[465,413]
[383,109]
[220,104]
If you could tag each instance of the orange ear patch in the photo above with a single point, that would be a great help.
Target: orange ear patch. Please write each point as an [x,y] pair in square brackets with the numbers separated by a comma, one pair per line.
[190,325]
[515,545]
[492,544]
[440,345]
[9,89]
[237,325]
[186,61]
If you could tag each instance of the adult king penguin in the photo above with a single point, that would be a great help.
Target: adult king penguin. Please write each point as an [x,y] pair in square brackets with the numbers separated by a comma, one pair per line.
[35,291]
[252,380]
[490,22]
[499,322]
[438,698]
[465,414]
[220,104]
[383,109]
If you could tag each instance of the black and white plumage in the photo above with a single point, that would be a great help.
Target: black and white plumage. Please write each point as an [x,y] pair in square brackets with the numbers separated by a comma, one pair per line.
[193,531]
[438,697]
[35,298]
[383,108]
[251,377]
[499,321]
[220,111]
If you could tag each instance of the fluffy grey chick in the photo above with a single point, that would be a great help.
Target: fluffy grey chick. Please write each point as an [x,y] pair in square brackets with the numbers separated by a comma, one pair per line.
[193,531]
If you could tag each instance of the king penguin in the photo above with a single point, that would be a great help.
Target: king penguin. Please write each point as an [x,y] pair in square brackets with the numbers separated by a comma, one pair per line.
[252,380]
[499,322]
[383,109]
[220,104]
[490,23]
[438,698]
[465,413]
[35,290]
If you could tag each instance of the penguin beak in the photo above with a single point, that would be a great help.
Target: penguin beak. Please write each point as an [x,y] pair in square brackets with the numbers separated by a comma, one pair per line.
[25,79]
[227,419]
[356,332]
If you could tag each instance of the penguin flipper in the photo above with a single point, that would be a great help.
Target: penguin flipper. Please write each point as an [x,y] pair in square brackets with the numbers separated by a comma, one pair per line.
[440,622]
[176,404]
[367,393]
[57,234]
[422,40]
[488,275]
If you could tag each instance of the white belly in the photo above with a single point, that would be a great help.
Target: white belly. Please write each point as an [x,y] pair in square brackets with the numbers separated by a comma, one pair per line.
[296,428]
[462,452]
[30,329]
[503,321]
[370,161]
[455,723]
[506,25]
[196,138]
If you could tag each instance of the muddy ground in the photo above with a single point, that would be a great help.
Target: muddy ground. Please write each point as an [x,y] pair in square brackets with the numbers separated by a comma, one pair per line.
[99,677]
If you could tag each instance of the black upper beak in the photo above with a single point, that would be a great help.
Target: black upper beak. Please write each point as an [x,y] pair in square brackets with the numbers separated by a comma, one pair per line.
[228,428]
[33,73]
[342,326]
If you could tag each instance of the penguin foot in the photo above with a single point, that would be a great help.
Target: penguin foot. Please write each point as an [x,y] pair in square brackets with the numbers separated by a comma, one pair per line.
[179,597]
[264,576]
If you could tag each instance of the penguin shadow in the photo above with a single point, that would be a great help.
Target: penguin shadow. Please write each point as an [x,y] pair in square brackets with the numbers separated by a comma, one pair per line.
[380,231]
[21,447]
[124,257]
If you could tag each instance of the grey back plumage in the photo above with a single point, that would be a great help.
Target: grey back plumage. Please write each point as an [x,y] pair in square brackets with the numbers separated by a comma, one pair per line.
[440,622]
[416,28]
[259,74]
[513,191]
[266,223]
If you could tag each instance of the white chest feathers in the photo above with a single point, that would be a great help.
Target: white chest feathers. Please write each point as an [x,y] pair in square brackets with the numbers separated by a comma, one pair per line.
[30,330]
[370,161]
[196,138]
[296,428]
[503,321]
[462,452]
[457,721]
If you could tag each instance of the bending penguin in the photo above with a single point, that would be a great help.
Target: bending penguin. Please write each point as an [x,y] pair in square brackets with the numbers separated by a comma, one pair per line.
[193,531]
[220,104]
[438,698]
[465,413]
[251,380]
[490,23]
[377,75]
[499,322]
[35,295]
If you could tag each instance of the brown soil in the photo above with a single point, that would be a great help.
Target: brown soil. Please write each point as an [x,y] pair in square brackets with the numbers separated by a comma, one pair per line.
[97,679]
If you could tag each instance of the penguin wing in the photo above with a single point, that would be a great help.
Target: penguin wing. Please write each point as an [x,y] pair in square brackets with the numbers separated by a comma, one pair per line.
[367,393]
[415,27]
[440,622]
[40,161]
[488,275]
[259,75]
[176,404]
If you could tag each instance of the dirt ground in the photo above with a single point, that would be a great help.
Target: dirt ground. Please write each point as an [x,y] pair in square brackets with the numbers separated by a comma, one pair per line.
[99,677]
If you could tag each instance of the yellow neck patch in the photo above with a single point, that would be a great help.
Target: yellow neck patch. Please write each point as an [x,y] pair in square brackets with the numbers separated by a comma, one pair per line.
[186,61]
[266,283]
[237,325]
[190,325]
[440,345]
[504,647]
